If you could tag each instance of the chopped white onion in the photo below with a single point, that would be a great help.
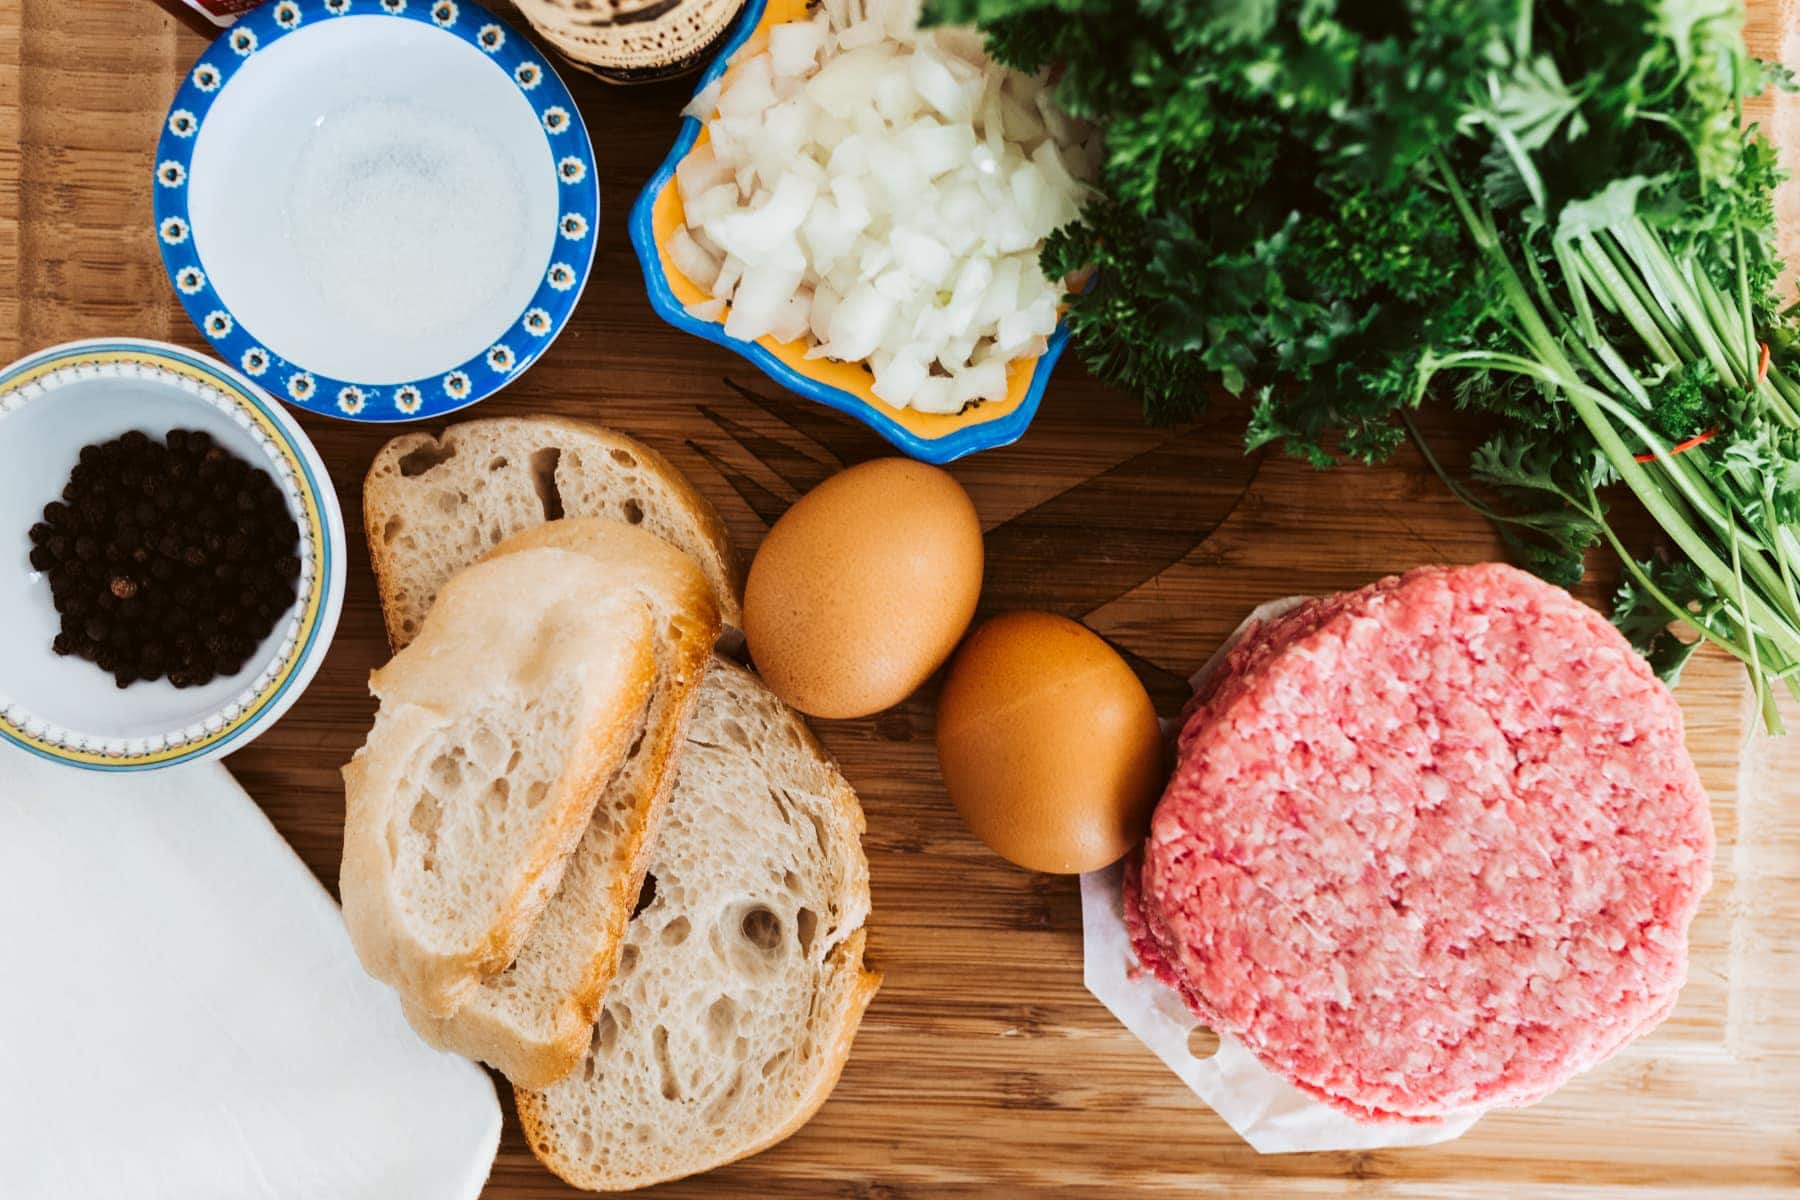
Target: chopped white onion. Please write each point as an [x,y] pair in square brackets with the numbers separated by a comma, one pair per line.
[880,194]
[794,45]
[692,259]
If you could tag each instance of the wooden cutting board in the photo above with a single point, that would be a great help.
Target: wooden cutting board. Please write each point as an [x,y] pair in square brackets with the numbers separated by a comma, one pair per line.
[984,1068]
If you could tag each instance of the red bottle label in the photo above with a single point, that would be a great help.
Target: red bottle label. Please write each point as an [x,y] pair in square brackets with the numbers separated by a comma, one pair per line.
[221,12]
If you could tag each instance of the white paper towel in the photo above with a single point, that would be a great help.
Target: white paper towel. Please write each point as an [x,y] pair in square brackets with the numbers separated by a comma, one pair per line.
[182,1015]
[1267,1111]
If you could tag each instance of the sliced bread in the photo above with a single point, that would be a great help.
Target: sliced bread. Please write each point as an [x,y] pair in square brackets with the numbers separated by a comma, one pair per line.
[499,727]
[531,1021]
[741,983]
[433,505]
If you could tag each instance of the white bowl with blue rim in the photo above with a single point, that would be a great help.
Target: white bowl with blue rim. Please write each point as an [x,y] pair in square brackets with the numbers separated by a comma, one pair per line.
[378,209]
[67,709]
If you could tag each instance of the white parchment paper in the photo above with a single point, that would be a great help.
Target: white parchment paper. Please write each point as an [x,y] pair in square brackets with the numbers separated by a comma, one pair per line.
[1264,1109]
[194,1024]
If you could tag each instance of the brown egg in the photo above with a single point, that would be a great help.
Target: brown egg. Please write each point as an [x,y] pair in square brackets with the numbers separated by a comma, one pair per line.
[1049,744]
[862,589]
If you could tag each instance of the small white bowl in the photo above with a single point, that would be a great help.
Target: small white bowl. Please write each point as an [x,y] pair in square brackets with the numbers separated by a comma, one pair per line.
[381,212]
[68,710]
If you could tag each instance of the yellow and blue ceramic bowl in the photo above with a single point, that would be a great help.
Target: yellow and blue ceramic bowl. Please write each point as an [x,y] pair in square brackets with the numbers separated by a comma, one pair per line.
[68,710]
[933,437]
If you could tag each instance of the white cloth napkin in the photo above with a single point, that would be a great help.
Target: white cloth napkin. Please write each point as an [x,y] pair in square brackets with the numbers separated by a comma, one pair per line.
[182,1016]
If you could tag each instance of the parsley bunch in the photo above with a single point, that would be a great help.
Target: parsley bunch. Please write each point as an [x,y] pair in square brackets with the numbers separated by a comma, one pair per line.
[1548,212]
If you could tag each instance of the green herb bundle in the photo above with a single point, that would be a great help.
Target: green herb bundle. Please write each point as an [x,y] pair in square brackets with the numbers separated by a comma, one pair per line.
[1549,212]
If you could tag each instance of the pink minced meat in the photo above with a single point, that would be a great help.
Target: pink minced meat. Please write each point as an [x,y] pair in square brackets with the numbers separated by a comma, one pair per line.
[1430,846]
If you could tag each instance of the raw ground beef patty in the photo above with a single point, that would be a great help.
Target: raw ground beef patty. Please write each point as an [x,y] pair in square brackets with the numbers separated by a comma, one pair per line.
[1429,846]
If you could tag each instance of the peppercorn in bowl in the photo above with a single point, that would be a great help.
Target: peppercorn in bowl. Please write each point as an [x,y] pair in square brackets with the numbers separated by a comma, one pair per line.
[171,565]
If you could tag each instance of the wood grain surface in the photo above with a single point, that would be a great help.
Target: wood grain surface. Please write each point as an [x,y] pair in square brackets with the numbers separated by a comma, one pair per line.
[984,1068]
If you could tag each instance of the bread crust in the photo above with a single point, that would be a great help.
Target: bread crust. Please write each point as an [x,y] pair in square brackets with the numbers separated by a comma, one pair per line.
[852,1001]
[848,983]
[631,558]
[711,549]
[480,1034]
[436,980]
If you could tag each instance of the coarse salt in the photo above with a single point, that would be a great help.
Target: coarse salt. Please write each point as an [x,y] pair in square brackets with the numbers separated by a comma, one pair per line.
[405,220]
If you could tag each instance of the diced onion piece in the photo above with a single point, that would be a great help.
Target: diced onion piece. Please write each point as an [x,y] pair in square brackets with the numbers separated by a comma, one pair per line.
[953,99]
[895,98]
[824,303]
[712,204]
[758,234]
[983,381]
[706,310]
[733,138]
[793,45]
[730,272]
[956,353]
[875,258]
[925,258]
[786,129]
[853,199]
[705,102]
[699,172]
[877,194]
[692,261]
[859,323]
[863,33]
[749,89]
[829,233]
[933,395]
[847,81]
[898,284]
[792,322]
[936,148]
[849,157]
[899,380]
[1019,122]
[1002,294]
[759,301]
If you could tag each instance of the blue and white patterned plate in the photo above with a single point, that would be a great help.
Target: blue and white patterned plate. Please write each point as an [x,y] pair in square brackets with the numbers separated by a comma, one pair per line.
[304,292]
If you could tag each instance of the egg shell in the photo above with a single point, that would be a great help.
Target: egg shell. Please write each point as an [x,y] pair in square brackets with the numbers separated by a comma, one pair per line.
[862,589]
[1048,744]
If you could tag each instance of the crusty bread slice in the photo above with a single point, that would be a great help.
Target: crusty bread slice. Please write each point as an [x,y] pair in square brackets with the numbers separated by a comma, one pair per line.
[433,505]
[532,1020]
[742,981]
[498,728]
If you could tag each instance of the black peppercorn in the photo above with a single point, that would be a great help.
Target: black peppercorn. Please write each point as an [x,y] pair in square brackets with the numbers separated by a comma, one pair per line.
[175,557]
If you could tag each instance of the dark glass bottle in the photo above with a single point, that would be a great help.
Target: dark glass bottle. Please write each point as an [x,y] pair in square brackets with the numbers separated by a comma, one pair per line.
[207,16]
